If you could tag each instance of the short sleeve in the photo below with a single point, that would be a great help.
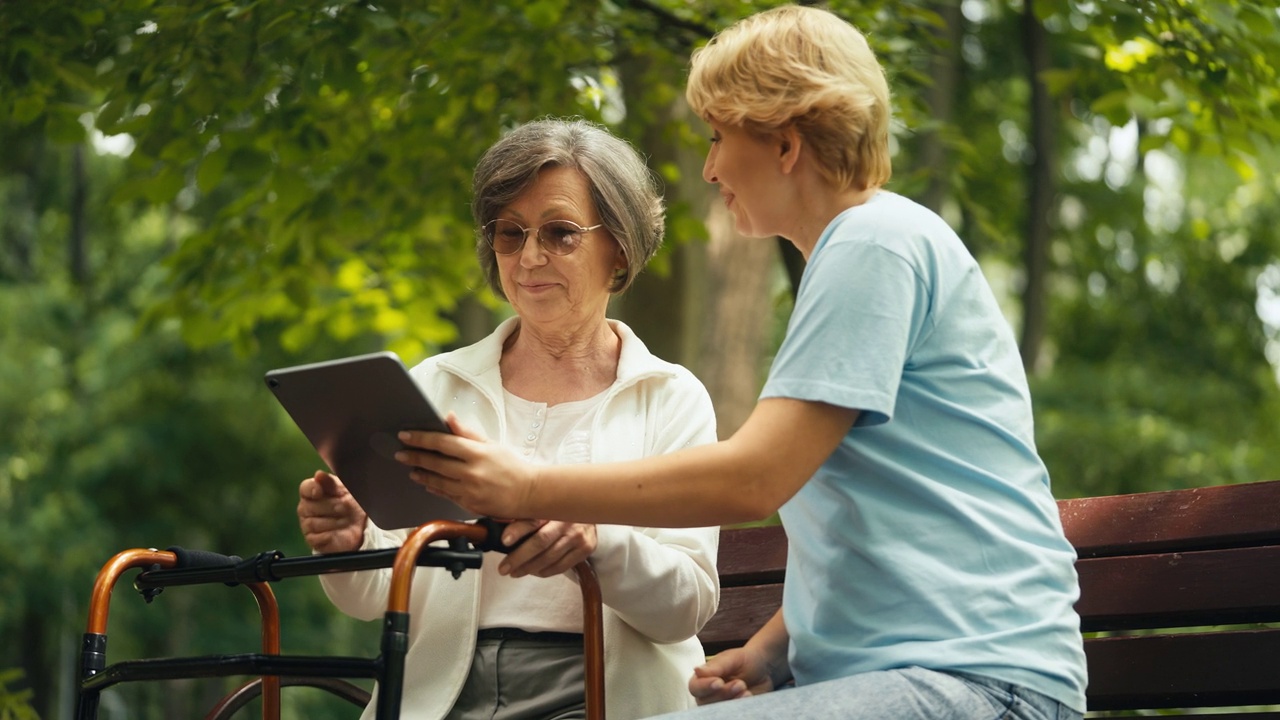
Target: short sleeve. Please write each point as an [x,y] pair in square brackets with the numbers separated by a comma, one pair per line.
[859,311]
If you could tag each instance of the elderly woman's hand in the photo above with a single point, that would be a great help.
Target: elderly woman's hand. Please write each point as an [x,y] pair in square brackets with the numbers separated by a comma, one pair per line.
[465,467]
[549,548]
[330,518]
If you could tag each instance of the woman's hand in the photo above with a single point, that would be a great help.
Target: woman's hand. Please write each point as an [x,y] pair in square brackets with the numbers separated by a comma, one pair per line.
[330,518]
[732,674]
[549,548]
[758,667]
[465,467]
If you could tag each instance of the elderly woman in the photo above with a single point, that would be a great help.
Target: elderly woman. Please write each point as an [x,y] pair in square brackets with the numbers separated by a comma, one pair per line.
[567,214]
[928,576]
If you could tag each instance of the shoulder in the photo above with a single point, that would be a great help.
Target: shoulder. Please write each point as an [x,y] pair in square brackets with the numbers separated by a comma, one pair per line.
[890,221]
[471,360]
[892,229]
[635,359]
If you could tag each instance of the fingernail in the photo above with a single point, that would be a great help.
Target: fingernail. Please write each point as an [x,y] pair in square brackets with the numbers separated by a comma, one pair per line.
[404,435]
[401,455]
[508,538]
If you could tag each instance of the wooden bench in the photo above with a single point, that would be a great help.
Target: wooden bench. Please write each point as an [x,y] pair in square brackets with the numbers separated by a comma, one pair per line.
[1177,588]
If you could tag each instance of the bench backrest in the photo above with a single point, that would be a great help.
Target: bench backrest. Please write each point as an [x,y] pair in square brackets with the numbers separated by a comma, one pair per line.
[1175,588]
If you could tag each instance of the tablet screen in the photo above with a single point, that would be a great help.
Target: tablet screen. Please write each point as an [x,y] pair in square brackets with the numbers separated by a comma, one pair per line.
[351,409]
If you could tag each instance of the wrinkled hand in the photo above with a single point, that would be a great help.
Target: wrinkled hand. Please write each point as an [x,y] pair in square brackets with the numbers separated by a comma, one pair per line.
[465,467]
[550,549]
[330,518]
[732,674]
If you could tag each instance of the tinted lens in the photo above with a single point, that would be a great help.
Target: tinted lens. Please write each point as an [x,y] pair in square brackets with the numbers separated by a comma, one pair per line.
[504,236]
[560,237]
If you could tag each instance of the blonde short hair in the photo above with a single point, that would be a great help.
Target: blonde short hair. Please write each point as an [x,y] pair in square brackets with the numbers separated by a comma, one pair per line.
[806,66]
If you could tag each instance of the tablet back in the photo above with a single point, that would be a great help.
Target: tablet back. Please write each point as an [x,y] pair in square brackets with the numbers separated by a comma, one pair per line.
[351,410]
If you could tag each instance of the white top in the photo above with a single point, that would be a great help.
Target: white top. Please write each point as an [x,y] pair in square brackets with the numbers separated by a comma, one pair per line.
[659,585]
[545,434]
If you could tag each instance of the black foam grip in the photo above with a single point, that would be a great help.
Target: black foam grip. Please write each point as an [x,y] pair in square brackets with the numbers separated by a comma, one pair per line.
[202,558]
[493,540]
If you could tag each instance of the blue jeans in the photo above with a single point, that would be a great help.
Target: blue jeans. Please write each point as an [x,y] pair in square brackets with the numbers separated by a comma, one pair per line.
[905,694]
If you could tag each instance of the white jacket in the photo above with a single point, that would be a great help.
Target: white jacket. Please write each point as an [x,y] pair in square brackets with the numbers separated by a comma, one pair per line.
[659,585]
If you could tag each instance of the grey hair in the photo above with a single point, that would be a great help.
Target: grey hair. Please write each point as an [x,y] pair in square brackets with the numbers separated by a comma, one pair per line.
[625,191]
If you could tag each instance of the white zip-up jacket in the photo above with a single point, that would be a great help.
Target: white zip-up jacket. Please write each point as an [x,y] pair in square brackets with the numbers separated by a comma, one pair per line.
[659,585]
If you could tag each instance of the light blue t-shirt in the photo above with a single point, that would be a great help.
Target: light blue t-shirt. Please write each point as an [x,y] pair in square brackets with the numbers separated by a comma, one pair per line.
[929,537]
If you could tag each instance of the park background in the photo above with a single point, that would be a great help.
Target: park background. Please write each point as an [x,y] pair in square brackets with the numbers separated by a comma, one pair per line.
[193,192]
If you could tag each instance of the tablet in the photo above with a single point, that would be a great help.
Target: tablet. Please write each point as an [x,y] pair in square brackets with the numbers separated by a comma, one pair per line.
[352,409]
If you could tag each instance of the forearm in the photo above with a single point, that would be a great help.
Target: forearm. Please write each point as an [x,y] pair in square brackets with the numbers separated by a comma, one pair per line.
[747,477]
[772,642]
[700,486]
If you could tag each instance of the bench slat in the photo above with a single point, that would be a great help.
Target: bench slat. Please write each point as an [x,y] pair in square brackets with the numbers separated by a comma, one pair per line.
[1198,559]
[752,556]
[1173,520]
[743,610]
[1188,670]
[1214,587]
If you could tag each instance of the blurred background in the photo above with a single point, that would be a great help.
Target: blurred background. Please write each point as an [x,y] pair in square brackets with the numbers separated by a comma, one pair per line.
[193,192]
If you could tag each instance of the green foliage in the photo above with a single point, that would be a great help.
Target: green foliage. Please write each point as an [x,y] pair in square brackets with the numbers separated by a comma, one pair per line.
[329,150]
[120,435]
[15,704]
[1208,67]
[298,188]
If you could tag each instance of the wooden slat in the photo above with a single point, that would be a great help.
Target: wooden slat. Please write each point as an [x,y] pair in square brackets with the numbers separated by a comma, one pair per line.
[743,610]
[1185,671]
[752,556]
[1173,520]
[1148,561]
[1208,715]
[1214,587]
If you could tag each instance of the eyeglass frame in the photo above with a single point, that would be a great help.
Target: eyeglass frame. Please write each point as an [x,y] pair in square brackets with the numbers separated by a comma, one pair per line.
[537,231]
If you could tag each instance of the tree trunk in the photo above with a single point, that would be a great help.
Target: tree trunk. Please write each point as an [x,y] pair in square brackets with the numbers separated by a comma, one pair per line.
[18,235]
[743,276]
[793,263]
[36,662]
[473,320]
[944,69]
[1035,43]
[77,242]
[662,308]
[713,311]
[657,306]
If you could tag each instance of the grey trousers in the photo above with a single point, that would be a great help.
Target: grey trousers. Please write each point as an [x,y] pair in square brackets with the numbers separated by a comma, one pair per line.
[906,694]
[518,679]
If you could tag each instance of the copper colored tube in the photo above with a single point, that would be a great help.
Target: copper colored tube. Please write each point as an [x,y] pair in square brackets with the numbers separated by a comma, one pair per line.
[592,614]
[268,609]
[100,603]
[270,612]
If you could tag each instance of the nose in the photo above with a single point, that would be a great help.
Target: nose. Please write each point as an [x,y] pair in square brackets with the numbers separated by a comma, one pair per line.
[531,253]
[708,167]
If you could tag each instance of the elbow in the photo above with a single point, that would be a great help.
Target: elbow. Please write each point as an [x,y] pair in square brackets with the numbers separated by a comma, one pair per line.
[761,482]
[754,504]
[763,511]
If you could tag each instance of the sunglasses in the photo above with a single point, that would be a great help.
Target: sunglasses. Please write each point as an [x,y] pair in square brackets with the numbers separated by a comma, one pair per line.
[557,237]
